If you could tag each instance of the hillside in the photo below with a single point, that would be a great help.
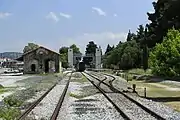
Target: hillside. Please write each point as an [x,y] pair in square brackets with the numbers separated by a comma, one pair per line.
[11,55]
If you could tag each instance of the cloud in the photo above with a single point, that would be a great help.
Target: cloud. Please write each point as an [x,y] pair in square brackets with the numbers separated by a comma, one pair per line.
[101,39]
[4,14]
[115,15]
[99,11]
[65,15]
[52,16]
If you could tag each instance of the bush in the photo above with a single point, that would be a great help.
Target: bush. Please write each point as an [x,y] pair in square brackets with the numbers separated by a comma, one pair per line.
[12,102]
[165,58]
[9,113]
[1,86]
[10,109]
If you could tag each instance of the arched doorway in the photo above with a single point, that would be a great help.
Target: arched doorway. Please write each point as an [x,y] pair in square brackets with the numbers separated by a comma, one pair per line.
[33,68]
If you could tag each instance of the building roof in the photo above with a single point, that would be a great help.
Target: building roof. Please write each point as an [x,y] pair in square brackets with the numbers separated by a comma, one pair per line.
[21,58]
[38,48]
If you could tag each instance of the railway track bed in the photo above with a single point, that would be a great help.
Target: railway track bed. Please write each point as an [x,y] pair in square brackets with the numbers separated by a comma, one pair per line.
[158,108]
[47,106]
[84,102]
[127,107]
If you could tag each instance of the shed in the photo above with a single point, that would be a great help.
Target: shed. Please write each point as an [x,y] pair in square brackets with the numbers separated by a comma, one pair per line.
[41,60]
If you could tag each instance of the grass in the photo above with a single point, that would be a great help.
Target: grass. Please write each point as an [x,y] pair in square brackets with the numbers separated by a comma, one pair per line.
[157,90]
[153,89]
[2,90]
[139,71]
[78,96]
[175,105]
[81,80]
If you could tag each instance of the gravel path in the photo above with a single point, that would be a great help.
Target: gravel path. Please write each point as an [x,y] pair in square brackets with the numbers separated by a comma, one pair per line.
[46,107]
[94,107]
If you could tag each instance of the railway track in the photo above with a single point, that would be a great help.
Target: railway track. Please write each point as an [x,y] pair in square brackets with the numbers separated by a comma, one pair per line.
[124,97]
[108,98]
[58,106]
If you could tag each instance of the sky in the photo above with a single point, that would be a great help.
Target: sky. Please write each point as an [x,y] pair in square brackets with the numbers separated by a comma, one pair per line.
[57,23]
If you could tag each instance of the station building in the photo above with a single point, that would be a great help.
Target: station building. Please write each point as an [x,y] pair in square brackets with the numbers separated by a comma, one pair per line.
[41,60]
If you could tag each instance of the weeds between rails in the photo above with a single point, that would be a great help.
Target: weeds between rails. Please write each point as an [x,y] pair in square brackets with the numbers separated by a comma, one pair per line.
[132,100]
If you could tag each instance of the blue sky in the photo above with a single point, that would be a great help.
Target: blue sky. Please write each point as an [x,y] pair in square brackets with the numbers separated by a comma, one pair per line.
[57,23]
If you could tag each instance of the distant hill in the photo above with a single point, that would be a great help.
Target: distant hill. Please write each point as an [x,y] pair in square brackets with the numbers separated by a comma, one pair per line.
[11,55]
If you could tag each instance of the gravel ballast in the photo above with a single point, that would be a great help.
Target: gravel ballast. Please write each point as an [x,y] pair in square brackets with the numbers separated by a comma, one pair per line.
[163,110]
[46,107]
[93,107]
[131,109]
[159,108]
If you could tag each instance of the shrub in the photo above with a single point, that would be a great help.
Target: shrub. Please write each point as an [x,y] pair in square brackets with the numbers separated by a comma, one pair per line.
[165,58]
[12,102]
[9,113]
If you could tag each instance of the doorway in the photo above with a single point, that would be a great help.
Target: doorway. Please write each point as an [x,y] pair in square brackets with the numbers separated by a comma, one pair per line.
[46,66]
[33,68]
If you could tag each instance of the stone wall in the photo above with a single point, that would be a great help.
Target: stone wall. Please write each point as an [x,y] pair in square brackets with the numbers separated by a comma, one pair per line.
[42,59]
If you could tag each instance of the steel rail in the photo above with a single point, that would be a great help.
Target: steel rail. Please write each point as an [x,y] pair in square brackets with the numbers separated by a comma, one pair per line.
[57,109]
[35,103]
[116,107]
[152,113]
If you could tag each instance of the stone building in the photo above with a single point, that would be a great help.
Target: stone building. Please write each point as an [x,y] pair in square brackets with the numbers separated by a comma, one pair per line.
[41,60]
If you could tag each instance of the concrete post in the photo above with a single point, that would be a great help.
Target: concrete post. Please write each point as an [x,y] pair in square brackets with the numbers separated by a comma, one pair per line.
[98,58]
[70,58]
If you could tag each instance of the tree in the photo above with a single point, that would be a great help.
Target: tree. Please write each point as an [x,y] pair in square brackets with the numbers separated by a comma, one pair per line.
[145,57]
[108,49]
[129,36]
[165,17]
[30,47]
[64,56]
[125,55]
[75,48]
[63,50]
[165,58]
[91,48]
[140,33]
[64,60]
[145,51]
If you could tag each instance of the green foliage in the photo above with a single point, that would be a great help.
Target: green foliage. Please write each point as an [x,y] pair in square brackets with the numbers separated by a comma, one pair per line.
[64,54]
[30,47]
[64,60]
[1,86]
[165,17]
[9,113]
[75,48]
[125,56]
[145,57]
[10,110]
[108,49]
[63,50]
[12,102]
[165,58]
[91,48]
[130,36]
